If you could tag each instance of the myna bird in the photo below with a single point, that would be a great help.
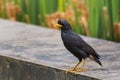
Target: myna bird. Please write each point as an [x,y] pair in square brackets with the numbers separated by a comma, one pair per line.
[77,46]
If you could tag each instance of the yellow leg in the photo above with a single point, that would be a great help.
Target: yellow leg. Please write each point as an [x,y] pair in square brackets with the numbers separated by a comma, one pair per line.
[74,68]
[76,65]
[82,68]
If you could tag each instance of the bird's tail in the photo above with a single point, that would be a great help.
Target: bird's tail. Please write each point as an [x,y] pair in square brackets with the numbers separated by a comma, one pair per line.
[97,60]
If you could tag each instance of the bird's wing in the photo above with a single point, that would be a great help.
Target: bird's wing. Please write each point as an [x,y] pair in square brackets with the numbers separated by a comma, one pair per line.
[78,52]
[82,45]
[88,49]
[70,42]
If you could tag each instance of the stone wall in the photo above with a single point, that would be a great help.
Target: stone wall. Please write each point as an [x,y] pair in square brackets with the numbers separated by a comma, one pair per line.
[14,69]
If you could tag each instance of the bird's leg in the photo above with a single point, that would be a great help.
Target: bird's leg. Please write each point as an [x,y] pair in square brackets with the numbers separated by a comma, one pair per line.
[82,68]
[74,68]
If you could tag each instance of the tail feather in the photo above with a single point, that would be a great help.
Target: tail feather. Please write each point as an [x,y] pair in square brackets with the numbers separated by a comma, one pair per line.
[96,60]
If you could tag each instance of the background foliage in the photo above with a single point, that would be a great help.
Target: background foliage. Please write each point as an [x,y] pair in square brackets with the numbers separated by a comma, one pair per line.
[96,18]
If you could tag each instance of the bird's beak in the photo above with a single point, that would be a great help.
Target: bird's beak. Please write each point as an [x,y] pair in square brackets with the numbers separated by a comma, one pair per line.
[58,25]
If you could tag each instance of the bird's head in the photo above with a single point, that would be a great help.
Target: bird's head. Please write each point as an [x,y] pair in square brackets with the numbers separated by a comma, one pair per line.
[64,25]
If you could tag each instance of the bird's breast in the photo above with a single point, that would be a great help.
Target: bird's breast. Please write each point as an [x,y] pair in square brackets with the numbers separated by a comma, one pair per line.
[66,40]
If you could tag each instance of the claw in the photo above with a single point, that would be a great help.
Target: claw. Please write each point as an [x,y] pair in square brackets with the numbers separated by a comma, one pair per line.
[72,70]
[81,69]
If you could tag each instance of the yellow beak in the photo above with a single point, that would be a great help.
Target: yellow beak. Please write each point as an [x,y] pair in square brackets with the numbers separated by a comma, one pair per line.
[58,25]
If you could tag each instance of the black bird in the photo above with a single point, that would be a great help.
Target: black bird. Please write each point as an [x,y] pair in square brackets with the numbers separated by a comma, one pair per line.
[77,46]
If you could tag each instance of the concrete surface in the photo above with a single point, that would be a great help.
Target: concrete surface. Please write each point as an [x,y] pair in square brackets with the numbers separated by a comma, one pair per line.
[28,50]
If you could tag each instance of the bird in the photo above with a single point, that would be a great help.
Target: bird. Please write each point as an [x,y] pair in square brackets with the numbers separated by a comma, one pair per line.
[77,46]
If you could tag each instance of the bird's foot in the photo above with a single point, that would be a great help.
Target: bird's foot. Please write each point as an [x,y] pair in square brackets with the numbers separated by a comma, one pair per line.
[71,70]
[81,69]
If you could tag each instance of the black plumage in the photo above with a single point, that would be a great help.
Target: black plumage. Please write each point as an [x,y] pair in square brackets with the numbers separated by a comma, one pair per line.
[76,45]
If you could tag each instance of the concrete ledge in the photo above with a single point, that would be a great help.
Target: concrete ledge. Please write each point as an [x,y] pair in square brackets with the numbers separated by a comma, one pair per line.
[15,69]
[28,52]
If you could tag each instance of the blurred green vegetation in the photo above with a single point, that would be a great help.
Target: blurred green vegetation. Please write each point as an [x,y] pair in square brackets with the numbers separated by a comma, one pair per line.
[96,18]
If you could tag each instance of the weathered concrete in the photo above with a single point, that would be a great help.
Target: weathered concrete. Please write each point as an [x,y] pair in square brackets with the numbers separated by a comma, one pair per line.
[28,52]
